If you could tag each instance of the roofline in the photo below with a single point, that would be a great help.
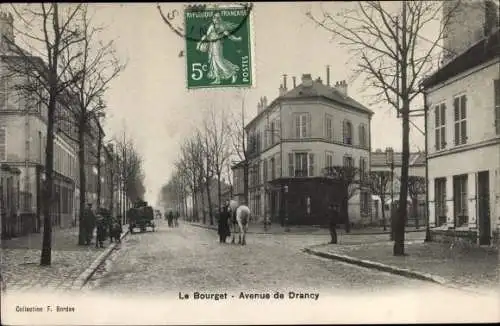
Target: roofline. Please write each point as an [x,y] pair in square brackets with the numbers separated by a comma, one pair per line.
[425,82]
[281,100]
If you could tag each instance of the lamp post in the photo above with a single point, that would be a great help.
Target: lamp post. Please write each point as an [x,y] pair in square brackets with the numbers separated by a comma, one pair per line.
[389,155]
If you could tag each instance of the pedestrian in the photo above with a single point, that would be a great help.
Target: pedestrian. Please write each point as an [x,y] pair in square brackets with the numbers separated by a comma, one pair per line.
[170,219]
[100,231]
[223,223]
[89,223]
[176,219]
[333,218]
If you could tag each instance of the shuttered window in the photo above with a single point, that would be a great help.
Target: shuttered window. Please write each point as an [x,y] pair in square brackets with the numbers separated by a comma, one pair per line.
[3,144]
[440,126]
[497,105]
[460,114]
[347,131]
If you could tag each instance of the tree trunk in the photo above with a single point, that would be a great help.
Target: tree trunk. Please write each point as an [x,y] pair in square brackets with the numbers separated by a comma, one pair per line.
[99,141]
[219,191]
[209,198]
[382,199]
[245,182]
[203,205]
[46,255]
[83,181]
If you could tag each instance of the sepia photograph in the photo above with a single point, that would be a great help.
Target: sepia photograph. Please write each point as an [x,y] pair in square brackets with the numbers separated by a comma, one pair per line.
[230,163]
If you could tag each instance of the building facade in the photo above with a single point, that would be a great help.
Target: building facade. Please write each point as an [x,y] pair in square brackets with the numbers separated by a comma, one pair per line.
[23,136]
[463,140]
[291,143]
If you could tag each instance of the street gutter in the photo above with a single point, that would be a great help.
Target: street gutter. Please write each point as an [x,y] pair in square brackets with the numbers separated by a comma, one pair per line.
[84,277]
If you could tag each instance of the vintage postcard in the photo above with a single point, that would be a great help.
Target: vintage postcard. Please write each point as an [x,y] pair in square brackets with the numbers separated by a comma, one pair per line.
[249,163]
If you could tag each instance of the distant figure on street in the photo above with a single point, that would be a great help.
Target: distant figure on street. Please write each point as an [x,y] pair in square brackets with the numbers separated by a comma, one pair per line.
[89,223]
[223,223]
[116,230]
[333,218]
[170,219]
[176,219]
[100,231]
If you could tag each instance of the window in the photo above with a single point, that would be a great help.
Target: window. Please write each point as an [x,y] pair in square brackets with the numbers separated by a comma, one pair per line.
[328,127]
[273,169]
[460,200]
[364,202]
[3,144]
[266,137]
[440,200]
[362,168]
[440,122]
[328,160]
[300,164]
[496,85]
[347,131]
[4,92]
[362,136]
[301,125]
[459,107]
[264,170]
[311,165]
[348,162]
[273,131]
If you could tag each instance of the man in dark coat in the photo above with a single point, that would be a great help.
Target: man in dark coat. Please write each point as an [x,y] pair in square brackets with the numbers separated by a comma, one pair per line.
[170,219]
[333,218]
[100,232]
[89,223]
[224,218]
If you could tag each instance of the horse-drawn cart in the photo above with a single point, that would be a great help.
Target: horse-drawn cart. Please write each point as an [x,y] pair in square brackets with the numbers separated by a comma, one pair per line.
[141,216]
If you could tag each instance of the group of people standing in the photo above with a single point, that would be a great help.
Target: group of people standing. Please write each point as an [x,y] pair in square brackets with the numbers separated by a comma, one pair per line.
[104,224]
[172,219]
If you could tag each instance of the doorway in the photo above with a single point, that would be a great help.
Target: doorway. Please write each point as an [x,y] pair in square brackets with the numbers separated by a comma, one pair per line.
[483,199]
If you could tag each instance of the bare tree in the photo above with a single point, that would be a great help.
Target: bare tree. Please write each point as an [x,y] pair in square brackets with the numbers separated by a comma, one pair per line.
[378,186]
[97,67]
[219,144]
[393,55]
[207,168]
[416,187]
[352,181]
[49,30]
[239,144]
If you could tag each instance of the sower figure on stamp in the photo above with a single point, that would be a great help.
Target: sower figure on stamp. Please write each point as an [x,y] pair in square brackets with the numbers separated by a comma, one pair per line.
[333,217]
[220,68]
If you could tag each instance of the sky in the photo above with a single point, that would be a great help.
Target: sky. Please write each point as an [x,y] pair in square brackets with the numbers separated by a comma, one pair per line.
[151,104]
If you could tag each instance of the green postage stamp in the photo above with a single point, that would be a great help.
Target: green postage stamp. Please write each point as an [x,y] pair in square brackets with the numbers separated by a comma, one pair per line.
[218,47]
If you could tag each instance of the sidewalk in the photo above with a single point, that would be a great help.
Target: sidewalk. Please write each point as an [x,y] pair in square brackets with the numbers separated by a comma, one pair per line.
[305,229]
[474,268]
[20,260]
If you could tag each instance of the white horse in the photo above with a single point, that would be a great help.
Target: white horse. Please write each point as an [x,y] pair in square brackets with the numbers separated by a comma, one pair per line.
[243,216]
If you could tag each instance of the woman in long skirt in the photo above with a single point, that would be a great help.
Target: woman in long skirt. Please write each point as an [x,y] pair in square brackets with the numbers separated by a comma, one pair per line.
[223,229]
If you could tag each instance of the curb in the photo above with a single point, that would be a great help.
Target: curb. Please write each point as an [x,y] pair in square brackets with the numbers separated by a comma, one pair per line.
[390,269]
[292,232]
[378,266]
[84,277]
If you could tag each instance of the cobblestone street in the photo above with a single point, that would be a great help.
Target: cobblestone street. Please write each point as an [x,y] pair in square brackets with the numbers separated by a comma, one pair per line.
[188,257]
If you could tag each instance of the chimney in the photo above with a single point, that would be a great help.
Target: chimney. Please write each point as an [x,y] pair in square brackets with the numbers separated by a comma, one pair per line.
[282,90]
[264,102]
[259,105]
[284,81]
[294,81]
[341,86]
[307,80]
[6,27]
[328,75]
